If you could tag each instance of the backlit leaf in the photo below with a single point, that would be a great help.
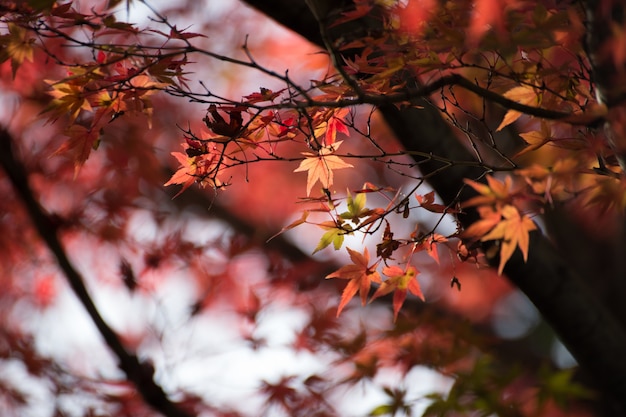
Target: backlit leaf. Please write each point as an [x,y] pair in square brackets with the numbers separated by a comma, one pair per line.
[524,94]
[320,167]
[334,235]
[399,282]
[495,191]
[360,275]
[513,231]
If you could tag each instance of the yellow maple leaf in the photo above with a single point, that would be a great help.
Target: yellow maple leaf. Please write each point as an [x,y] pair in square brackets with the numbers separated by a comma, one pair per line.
[524,94]
[68,99]
[19,46]
[536,139]
[320,166]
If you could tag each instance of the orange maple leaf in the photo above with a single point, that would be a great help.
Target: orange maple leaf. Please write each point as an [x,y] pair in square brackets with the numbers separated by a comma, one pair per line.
[184,175]
[493,192]
[554,181]
[536,139]
[524,94]
[320,167]
[361,276]
[490,217]
[513,230]
[200,169]
[429,244]
[400,282]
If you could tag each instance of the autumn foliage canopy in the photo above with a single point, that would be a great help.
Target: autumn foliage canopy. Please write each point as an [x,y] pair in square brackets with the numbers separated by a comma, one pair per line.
[379,178]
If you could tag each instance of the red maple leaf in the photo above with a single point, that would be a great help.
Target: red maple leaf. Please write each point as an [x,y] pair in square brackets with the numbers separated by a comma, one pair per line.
[360,276]
[399,282]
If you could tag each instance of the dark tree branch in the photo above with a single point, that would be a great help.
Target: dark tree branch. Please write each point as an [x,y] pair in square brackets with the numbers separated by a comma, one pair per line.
[609,75]
[410,94]
[585,326]
[138,373]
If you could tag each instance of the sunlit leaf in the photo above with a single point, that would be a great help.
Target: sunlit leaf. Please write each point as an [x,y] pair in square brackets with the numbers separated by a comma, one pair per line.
[400,282]
[334,235]
[320,167]
[360,275]
[513,232]
[495,191]
[524,94]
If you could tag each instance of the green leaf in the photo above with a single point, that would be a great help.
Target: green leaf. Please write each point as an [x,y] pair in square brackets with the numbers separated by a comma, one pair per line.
[559,387]
[355,205]
[382,410]
[334,236]
[356,208]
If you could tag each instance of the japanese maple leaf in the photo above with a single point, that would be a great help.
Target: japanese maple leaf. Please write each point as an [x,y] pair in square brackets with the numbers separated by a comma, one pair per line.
[19,46]
[427,201]
[264,94]
[184,175]
[334,125]
[361,276]
[491,193]
[554,180]
[320,166]
[490,217]
[429,244]
[79,145]
[199,168]
[536,139]
[68,99]
[400,282]
[524,94]
[513,230]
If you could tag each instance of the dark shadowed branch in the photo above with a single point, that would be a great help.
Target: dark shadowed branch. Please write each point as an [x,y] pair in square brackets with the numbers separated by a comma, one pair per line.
[138,373]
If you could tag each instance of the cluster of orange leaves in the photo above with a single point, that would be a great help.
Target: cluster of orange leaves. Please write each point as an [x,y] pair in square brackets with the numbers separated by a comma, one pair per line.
[500,219]
[360,275]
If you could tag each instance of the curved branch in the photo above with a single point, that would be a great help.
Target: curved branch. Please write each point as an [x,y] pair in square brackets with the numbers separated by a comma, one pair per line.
[458,80]
[138,373]
[408,95]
